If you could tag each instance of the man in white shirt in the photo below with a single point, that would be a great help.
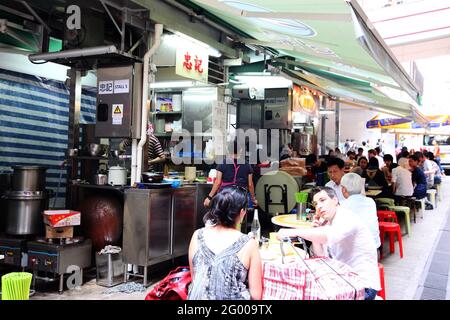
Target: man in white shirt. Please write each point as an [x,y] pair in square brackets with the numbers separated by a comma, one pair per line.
[401,179]
[339,233]
[336,172]
[362,206]
[427,168]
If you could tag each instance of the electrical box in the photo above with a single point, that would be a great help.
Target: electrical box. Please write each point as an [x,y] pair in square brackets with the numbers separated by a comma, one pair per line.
[119,106]
[277,108]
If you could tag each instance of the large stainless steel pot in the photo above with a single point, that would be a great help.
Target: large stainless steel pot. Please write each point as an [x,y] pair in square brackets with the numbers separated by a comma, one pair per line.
[28,178]
[24,213]
[100,179]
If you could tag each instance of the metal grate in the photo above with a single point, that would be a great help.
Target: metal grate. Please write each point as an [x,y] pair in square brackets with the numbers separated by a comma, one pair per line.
[216,70]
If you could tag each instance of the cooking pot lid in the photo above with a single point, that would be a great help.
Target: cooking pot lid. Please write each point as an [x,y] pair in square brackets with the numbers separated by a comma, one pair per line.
[117,168]
[29,168]
[26,194]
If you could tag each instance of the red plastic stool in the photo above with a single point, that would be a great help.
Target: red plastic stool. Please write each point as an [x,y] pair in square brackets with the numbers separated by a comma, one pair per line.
[392,228]
[382,292]
[386,215]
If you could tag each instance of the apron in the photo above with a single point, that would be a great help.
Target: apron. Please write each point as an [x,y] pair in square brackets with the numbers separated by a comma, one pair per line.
[224,184]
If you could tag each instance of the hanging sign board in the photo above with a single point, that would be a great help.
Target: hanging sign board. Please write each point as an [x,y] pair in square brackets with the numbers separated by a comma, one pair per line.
[305,101]
[192,63]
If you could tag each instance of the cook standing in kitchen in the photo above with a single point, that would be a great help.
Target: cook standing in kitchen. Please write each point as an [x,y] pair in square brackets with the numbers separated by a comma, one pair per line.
[155,151]
[232,173]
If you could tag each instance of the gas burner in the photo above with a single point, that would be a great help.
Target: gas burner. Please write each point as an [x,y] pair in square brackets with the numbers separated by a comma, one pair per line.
[60,241]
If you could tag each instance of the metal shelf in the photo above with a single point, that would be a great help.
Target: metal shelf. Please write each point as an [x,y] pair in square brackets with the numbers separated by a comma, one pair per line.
[89,158]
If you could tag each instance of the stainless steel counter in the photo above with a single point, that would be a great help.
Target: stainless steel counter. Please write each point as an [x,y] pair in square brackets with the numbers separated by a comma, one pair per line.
[159,223]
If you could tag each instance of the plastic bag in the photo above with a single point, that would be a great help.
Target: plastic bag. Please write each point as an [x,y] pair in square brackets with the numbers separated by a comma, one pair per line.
[173,287]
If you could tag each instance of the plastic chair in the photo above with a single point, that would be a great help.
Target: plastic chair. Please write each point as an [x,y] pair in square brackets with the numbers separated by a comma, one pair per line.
[383,203]
[431,193]
[392,228]
[409,202]
[405,211]
[382,292]
[422,206]
[438,190]
[386,216]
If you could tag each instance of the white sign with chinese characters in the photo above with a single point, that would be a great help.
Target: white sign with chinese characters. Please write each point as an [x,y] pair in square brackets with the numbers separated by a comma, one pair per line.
[192,63]
[106,87]
[219,125]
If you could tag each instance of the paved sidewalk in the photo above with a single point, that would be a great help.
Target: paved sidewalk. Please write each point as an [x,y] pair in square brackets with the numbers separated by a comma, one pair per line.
[423,271]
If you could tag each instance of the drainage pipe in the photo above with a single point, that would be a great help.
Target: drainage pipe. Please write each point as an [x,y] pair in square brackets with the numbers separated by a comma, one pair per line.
[145,86]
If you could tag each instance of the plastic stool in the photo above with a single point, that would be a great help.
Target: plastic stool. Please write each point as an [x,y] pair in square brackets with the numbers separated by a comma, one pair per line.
[383,201]
[382,292]
[422,206]
[431,193]
[386,216]
[409,202]
[438,190]
[405,211]
[392,228]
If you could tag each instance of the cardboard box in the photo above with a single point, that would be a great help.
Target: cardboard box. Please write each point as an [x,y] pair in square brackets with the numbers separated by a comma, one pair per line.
[62,218]
[63,232]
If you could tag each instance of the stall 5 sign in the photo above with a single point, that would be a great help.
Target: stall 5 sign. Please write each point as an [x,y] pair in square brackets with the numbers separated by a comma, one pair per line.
[192,63]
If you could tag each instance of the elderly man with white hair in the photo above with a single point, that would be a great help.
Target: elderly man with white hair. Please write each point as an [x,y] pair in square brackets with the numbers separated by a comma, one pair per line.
[366,209]
[401,179]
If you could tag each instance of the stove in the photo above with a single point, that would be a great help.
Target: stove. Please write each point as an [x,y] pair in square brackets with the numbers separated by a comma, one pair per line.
[56,255]
[13,250]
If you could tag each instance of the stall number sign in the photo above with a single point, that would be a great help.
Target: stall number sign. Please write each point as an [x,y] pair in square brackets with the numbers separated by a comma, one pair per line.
[117,114]
[116,86]
[192,63]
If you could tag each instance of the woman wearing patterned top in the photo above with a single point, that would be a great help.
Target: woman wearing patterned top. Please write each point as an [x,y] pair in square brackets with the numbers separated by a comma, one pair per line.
[225,264]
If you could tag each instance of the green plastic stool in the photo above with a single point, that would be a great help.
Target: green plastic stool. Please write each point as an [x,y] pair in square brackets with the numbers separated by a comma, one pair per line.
[388,201]
[405,211]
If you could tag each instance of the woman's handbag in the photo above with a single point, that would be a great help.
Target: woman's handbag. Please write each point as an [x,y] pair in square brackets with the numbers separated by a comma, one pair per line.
[173,287]
[319,278]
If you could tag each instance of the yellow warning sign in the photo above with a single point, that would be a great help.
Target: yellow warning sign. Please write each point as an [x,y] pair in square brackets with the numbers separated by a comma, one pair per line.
[117,110]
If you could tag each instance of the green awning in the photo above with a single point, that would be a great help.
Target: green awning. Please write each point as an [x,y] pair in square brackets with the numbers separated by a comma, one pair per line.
[327,35]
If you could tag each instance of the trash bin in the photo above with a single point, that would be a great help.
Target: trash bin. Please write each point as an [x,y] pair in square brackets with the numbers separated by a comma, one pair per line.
[110,269]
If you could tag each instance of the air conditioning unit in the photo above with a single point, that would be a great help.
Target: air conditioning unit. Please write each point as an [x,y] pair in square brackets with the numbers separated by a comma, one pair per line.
[247,92]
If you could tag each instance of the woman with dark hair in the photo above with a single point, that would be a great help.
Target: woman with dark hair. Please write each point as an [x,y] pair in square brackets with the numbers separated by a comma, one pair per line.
[362,166]
[225,264]
[375,178]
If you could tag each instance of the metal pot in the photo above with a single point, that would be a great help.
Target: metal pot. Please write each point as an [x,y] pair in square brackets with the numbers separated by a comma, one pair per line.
[114,153]
[95,149]
[117,176]
[24,215]
[72,152]
[28,178]
[100,179]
